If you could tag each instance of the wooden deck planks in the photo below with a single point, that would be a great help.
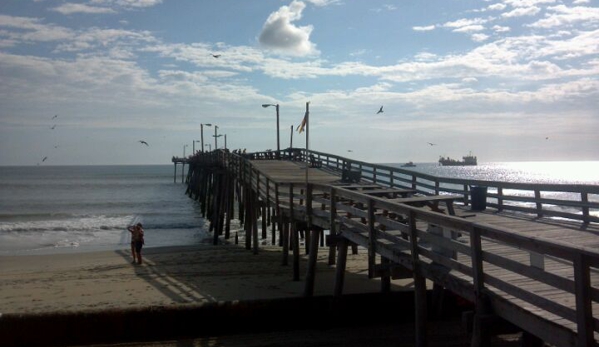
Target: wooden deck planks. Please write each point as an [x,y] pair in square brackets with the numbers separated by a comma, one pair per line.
[565,231]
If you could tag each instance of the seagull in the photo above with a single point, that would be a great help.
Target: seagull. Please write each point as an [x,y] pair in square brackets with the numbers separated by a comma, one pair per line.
[432,144]
[349,150]
[144,142]
[55,116]
[54,126]
[380,110]
[43,160]
[216,55]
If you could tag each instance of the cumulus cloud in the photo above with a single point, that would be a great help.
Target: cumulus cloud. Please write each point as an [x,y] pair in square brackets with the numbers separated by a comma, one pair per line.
[424,28]
[522,11]
[68,8]
[281,35]
[561,16]
[322,3]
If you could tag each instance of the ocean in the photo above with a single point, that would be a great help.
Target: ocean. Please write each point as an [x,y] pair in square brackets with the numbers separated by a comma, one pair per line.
[61,209]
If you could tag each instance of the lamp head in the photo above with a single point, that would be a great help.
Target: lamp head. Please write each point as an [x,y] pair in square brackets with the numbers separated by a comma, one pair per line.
[208,124]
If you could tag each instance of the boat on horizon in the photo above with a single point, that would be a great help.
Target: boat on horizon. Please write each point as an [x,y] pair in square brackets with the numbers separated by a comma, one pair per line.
[409,164]
[466,160]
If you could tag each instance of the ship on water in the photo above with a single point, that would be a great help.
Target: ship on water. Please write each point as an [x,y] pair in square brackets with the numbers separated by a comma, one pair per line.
[466,160]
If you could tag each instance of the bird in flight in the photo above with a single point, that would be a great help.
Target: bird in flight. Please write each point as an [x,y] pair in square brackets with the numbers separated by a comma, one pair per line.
[380,110]
[349,150]
[216,55]
[54,126]
[432,144]
[55,116]
[144,142]
[43,160]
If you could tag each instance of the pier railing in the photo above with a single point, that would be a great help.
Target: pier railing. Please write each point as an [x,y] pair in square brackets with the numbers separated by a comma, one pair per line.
[521,276]
[570,201]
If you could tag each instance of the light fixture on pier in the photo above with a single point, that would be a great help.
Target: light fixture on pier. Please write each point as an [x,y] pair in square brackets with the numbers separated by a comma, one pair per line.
[202,133]
[194,146]
[278,139]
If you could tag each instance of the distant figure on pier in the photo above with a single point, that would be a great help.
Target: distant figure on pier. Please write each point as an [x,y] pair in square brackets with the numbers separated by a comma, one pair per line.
[137,241]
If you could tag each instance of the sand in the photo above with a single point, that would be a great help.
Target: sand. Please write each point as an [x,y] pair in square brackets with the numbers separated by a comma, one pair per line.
[169,276]
[180,282]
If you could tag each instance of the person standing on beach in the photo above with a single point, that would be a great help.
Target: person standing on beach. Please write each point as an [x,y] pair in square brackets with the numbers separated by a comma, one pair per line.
[137,241]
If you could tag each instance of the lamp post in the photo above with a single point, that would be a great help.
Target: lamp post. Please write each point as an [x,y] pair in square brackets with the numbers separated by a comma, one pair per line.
[194,146]
[278,140]
[215,137]
[202,133]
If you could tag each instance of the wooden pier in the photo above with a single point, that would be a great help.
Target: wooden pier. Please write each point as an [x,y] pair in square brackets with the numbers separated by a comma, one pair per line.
[515,262]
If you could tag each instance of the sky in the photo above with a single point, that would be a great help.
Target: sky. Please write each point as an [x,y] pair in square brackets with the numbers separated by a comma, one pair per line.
[83,82]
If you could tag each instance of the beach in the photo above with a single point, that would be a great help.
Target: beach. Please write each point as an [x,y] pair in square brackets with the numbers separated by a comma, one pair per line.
[220,295]
[169,276]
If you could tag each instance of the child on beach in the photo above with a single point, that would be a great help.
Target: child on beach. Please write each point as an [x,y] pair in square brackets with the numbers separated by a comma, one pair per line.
[137,241]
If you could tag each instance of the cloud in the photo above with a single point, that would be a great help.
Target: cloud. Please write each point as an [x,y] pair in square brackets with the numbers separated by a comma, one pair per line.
[69,8]
[282,36]
[479,37]
[424,28]
[127,3]
[561,16]
[497,7]
[322,3]
[522,11]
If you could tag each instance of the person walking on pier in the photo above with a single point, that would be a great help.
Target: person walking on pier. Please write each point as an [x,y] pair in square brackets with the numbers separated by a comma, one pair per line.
[137,241]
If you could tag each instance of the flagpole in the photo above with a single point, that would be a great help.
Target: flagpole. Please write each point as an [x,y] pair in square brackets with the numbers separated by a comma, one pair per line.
[307,140]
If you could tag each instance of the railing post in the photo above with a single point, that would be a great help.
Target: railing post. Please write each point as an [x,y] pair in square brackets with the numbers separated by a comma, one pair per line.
[584,309]
[332,224]
[419,286]
[479,338]
[465,195]
[371,239]
[585,208]
[436,186]
[499,199]
[414,182]
[539,205]
[374,174]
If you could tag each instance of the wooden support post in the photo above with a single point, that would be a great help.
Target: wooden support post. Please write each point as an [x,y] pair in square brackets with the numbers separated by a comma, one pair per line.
[264,223]
[419,286]
[312,260]
[332,224]
[255,222]
[248,219]
[499,199]
[385,279]
[341,264]
[229,210]
[296,255]
[285,239]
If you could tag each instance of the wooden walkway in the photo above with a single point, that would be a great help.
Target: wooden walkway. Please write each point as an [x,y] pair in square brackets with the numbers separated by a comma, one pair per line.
[535,272]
